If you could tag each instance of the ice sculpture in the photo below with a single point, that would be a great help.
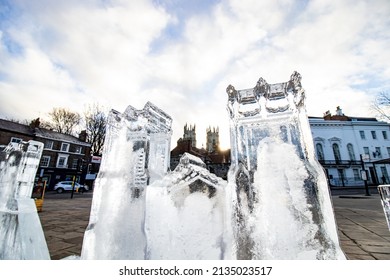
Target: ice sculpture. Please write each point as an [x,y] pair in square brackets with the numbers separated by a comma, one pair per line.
[281,202]
[384,192]
[136,153]
[186,217]
[21,234]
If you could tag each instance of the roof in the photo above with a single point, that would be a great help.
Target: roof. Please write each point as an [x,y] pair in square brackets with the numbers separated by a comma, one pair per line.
[39,132]
[15,127]
[346,118]
[54,135]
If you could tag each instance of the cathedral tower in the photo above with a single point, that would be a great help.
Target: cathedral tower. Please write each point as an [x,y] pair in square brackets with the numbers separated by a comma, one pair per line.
[212,141]
[190,134]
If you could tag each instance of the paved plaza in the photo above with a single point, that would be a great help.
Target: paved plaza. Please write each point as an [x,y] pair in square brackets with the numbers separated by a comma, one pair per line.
[363,230]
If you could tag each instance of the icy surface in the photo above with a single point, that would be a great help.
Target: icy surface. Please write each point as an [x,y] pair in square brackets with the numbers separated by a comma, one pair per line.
[384,191]
[276,204]
[185,214]
[136,153]
[281,202]
[140,211]
[21,234]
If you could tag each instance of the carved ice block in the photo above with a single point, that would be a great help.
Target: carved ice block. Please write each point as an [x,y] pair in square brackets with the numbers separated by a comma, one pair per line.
[384,192]
[21,234]
[136,153]
[281,202]
[186,214]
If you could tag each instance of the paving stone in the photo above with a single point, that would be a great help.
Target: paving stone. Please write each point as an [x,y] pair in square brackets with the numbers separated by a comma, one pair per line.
[376,249]
[379,256]
[59,245]
[360,257]
[353,249]
[363,233]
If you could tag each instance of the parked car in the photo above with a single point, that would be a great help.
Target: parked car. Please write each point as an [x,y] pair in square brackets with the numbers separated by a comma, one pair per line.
[67,186]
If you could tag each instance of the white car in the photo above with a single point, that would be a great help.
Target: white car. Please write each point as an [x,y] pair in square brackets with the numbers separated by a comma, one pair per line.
[60,187]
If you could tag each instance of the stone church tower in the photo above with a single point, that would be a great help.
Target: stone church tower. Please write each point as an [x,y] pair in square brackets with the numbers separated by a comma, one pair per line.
[190,134]
[212,143]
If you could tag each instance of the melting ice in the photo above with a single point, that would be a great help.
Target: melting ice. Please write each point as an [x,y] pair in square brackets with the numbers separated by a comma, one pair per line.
[186,217]
[281,201]
[276,204]
[21,234]
[384,192]
[136,153]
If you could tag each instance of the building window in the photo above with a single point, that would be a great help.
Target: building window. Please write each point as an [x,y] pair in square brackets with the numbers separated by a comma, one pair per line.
[62,161]
[351,152]
[320,152]
[356,174]
[45,161]
[384,133]
[373,133]
[78,150]
[377,153]
[388,151]
[16,140]
[366,150]
[336,152]
[362,135]
[64,147]
[49,145]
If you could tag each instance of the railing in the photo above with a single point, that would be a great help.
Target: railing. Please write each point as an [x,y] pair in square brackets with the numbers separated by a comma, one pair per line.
[346,182]
[340,162]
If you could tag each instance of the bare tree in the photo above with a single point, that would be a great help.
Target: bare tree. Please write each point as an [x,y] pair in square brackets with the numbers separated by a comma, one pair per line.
[63,120]
[95,124]
[381,105]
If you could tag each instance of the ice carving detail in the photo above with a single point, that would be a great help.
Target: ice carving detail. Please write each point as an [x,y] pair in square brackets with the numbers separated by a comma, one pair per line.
[276,204]
[136,153]
[186,214]
[281,202]
[21,234]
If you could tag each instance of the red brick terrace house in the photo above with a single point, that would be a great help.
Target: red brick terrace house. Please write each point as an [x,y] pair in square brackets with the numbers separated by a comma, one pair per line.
[63,157]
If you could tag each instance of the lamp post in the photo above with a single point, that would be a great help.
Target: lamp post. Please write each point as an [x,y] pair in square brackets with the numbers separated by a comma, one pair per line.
[364,176]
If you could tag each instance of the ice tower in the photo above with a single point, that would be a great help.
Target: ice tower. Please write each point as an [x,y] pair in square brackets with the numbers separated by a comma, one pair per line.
[21,234]
[186,214]
[281,202]
[136,153]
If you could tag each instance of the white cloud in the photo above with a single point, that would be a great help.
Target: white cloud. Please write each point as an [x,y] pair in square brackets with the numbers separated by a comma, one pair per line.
[121,52]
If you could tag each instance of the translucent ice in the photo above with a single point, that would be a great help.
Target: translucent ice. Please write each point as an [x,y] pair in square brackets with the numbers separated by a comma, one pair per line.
[21,234]
[281,202]
[186,217]
[384,192]
[136,153]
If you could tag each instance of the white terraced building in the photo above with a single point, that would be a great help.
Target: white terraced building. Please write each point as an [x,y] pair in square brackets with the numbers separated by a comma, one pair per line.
[347,145]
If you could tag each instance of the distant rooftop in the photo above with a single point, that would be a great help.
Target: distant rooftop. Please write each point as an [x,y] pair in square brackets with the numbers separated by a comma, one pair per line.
[339,116]
[34,130]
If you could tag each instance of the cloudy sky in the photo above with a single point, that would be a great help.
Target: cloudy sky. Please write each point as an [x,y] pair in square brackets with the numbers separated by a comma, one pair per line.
[181,55]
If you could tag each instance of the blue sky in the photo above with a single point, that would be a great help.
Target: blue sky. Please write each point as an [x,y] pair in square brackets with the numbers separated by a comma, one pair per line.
[181,55]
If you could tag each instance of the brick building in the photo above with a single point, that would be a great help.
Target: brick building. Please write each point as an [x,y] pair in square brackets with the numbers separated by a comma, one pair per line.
[64,156]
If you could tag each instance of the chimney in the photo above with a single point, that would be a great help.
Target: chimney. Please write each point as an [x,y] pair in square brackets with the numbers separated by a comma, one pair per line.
[83,135]
[327,115]
[35,123]
[339,112]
